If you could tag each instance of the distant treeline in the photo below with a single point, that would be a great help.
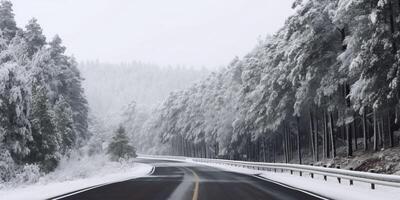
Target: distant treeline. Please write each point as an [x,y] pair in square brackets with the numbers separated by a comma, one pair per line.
[110,88]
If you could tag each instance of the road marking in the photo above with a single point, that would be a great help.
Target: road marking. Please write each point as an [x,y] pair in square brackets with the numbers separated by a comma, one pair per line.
[291,187]
[94,187]
[196,185]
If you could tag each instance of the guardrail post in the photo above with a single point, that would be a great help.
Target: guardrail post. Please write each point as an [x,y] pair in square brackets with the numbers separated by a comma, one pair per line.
[372,184]
[351,181]
[325,177]
[291,172]
[301,173]
[338,178]
[312,174]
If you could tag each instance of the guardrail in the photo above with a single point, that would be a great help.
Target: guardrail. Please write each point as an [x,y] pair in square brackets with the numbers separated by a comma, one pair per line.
[163,157]
[340,174]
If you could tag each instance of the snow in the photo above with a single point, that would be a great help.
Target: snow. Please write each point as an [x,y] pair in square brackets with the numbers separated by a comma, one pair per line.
[76,175]
[373,16]
[330,188]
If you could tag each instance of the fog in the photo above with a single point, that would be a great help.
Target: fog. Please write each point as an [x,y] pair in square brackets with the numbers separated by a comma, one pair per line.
[205,33]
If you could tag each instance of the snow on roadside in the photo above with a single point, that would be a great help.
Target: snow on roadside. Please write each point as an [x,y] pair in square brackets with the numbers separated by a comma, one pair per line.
[331,188]
[76,174]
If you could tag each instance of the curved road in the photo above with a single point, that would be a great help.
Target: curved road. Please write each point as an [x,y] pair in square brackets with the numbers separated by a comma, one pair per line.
[177,180]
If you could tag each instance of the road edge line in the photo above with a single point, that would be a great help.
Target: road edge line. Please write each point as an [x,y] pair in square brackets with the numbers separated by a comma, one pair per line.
[291,187]
[95,186]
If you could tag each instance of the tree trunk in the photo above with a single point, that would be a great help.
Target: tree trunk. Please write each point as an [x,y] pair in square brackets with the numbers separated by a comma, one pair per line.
[375,132]
[316,136]
[312,135]
[354,130]
[284,142]
[264,150]
[382,133]
[391,144]
[298,140]
[364,125]
[323,136]
[274,149]
[349,140]
[326,133]
[258,150]
[333,135]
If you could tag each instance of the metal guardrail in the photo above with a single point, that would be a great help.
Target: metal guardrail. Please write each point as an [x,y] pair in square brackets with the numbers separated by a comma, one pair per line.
[340,174]
[163,157]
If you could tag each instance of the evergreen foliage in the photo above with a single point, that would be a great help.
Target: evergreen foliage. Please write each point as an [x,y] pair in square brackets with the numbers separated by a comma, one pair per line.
[43,112]
[119,146]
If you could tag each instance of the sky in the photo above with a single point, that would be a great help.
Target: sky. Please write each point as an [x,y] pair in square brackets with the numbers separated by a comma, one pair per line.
[196,33]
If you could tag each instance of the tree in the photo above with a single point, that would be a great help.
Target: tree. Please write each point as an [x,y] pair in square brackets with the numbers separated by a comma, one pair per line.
[119,146]
[34,37]
[15,126]
[7,165]
[64,124]
[8,25]
[43,112]
[45,146]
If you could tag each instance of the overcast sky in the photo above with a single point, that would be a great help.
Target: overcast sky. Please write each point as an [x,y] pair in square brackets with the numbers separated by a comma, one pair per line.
[196,33]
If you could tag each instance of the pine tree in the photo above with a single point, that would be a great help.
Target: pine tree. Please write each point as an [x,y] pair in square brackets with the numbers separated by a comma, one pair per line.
[14,111]
[43,111]
[8,26]
[34,37]
[45,147]
[7,165]
[119,146]
[64,125]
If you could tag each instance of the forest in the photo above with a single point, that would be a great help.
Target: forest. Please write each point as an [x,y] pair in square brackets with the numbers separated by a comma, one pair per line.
[43,111]
[328,80]
[325,85]
[112,88]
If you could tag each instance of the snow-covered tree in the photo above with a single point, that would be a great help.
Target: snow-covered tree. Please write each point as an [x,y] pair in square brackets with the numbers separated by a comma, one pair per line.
[34,37]
[120,147]
[45,146]
[43,111]
[64,124]
[8,26]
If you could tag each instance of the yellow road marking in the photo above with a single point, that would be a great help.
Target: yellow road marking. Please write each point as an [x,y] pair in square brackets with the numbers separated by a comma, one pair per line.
[196,186]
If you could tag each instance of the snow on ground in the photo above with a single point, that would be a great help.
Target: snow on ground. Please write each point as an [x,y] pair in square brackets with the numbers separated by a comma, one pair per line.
[77,174]
[331,188]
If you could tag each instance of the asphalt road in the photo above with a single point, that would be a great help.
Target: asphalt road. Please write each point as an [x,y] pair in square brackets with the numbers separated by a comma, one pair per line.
[177,180]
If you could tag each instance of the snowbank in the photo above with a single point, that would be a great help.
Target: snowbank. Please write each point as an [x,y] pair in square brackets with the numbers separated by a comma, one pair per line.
[331,188]
[76,174]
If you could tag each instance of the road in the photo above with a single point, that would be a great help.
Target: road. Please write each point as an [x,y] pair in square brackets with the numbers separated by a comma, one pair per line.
[177,180]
